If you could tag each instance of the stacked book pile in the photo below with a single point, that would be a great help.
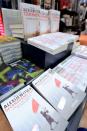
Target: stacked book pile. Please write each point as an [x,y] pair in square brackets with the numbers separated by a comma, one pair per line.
[10,49]
[80,51]
[53,43]
[74,69]
[17,30]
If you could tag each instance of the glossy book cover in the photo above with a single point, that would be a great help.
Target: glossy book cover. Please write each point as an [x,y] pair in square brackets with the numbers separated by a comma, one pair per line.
[59,92]
[11,77]
[32,112]
[29,67]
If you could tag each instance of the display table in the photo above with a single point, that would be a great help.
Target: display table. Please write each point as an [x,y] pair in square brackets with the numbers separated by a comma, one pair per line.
[4,124]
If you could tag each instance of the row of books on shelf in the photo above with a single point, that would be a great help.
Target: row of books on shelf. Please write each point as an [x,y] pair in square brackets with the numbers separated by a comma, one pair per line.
[30,21]
[50,99]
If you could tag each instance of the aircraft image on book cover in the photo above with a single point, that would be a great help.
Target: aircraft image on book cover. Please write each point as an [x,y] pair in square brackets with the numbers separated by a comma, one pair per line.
[29,104]
[29,67]
[61,94]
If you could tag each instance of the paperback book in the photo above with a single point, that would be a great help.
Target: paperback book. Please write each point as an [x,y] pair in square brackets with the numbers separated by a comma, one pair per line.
[10,80]
[10,17]
[29,67]
[80,51]
[28,104]
[30,16]
[44,22]
[54,17]
[61,94]
[74,70]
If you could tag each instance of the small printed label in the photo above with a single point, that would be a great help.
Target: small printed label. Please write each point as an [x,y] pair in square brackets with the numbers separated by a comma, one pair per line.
[62,103]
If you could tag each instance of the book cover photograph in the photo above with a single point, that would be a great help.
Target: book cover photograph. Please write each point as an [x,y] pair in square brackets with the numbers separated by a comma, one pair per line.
[29,67]
[73,69]
[61,94]
[28,104]
[9,79]
[30,16]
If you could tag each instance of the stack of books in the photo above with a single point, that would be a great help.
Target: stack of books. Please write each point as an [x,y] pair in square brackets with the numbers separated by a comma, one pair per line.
[10,49]
[60,93]
[17,30]
[44,22]
[36,114]
[53,43]
[54,17]
[74,70]
[80,51]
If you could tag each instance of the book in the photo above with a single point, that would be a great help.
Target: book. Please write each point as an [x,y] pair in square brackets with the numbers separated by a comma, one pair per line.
[60,93]
[10,17]
[36,114]
[44,21]
[10,48]
[10,81]
[54,17]
[53,43]
[80,51]
[30,17]
[29,67]
[73,69]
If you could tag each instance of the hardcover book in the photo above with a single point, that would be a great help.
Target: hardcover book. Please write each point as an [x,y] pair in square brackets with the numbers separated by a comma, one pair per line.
[73,69]
[29,67]
[28,104]
[61,94]
[44,22]
[54,16]
[30,16]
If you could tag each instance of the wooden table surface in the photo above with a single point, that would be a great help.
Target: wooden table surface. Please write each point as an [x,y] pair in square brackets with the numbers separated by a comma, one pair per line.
[4,124]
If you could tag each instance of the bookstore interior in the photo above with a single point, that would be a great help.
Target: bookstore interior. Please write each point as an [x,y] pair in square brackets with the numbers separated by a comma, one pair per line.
[43,50]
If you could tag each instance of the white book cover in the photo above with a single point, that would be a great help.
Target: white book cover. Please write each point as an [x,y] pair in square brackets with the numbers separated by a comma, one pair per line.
[61,94]
[74,69]
[80,51]
[30,16]
[26,110]
[54,17]
[44,21]
[10,17]
[53,43]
